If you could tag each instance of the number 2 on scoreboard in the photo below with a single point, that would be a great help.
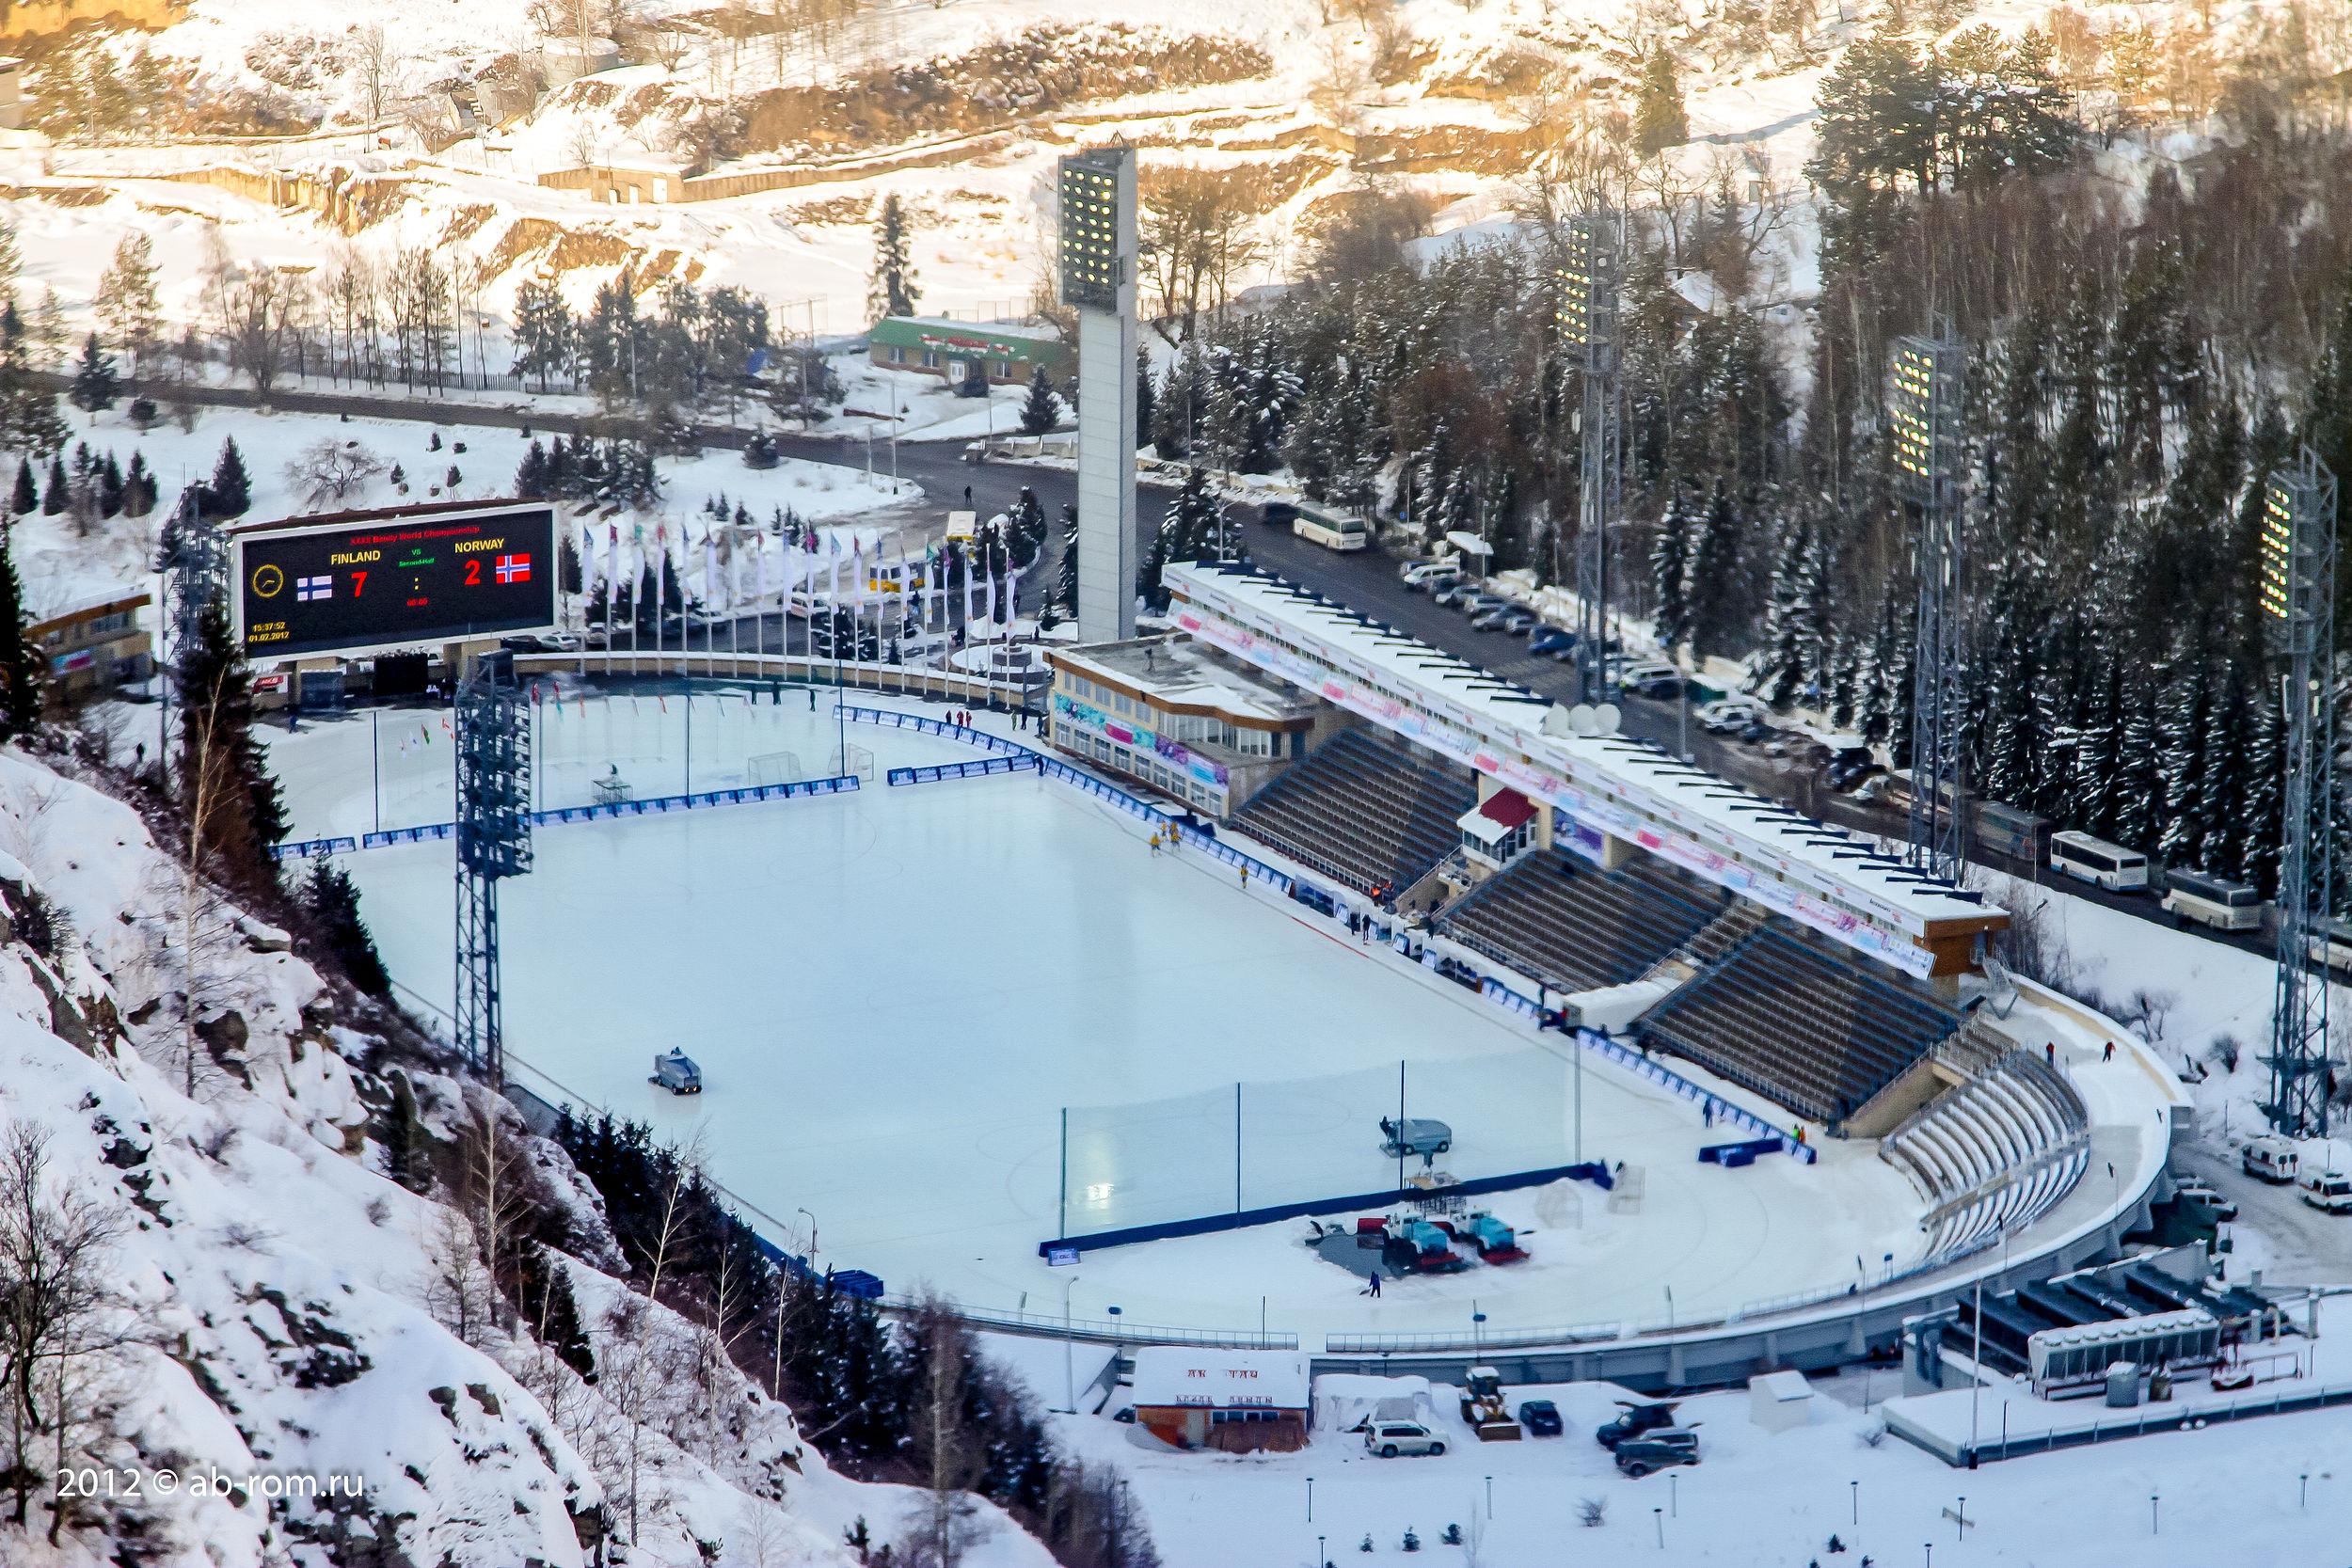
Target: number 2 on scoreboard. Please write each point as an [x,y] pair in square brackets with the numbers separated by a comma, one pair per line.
[474,572]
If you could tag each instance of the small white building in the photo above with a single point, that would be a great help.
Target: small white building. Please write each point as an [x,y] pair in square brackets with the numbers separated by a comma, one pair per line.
[1233,1400]
[1778,1401]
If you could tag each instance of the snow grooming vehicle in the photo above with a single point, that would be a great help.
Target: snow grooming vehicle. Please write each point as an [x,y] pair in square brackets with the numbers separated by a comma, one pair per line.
[1421,1246]
[1415,1135]
[1496,1241]
[675,1072]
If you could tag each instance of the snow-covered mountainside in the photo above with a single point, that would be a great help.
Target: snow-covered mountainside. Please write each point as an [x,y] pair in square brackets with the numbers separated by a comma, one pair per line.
[757,139]
[254,1304]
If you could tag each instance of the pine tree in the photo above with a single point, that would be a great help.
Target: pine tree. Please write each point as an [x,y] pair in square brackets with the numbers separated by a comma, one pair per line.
[545,336]
[95,384]
[1660,120]
[2185,730]
[2261,820]
[1714,587]
[59,493]
[1783,675]
[333,900]
[1874,711]
[530,477]
[2139,789]
[20,664]
[1066,580]
[1845,682]
[1191,529]
[232,801]
[230,493]
[28,496]
[1669,571]
[110,487]
[892,292]
[1042,410]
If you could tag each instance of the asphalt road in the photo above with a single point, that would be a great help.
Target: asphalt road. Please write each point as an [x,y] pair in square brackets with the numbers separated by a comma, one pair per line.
[1367,581]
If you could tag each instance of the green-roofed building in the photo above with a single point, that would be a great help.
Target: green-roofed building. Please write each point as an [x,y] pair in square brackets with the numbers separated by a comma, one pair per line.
[948,348]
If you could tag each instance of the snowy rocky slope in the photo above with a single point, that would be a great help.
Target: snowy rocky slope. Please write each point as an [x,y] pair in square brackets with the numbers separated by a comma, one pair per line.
[778,140]
[266,1303]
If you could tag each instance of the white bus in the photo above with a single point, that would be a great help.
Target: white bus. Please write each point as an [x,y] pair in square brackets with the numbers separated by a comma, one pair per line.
[2329,945]
[2094,860]
[2214,901]
[1334,530]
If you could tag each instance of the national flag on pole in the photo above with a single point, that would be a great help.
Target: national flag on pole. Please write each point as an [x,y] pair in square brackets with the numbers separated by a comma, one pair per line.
[992,598]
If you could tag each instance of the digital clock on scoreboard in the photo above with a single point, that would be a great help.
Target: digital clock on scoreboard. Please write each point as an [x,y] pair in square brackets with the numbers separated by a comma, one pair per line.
[425,575]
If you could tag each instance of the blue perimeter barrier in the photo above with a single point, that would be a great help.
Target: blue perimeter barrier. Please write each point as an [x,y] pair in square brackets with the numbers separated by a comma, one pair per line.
[658,805]
[981,769]
[1055,768]
[1726,1113]
[1595,1171]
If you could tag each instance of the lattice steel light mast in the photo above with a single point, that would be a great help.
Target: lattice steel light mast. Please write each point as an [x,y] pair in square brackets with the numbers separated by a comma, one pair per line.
[493,843]
[1925,380]
[1097,231]
[2298,599]
[1589,321]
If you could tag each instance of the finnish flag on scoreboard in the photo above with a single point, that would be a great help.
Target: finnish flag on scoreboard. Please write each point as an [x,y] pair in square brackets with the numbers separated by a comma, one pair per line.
[314,588]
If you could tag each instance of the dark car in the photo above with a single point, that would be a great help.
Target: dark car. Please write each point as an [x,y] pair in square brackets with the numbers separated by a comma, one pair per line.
[1540,1416]
[1756,731]
[1278,513]
[1543,639]
[1657,1450]
[1657,685]
[1634,1419]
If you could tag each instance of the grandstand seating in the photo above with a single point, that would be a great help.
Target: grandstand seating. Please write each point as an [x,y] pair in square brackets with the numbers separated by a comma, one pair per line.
[1362,811]
[1995,1151]
[1575,927]
[1798,1025]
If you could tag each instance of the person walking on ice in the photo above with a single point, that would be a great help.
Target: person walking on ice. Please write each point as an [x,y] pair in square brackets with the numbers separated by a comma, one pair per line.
[1371,1285]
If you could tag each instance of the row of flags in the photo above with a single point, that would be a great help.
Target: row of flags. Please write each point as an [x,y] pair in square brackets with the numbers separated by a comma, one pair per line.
[805,554]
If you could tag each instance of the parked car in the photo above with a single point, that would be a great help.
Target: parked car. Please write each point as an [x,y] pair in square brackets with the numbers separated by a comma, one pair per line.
[1495,617]
[1518,623]
[2203,1193]
[2330,1191]
[1278,513]
[1634,675]
[1661,687]
[1657,1451]
[1543,639]
[1390,1438]
[1454,595]
[1417,575]
[1475,605]
[1540,1417]
[2269,1158]
[1726,715]
[1753,731]
[1633,1421]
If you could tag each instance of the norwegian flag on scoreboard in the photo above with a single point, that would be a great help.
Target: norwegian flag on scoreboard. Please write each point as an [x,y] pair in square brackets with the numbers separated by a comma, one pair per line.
[514,569]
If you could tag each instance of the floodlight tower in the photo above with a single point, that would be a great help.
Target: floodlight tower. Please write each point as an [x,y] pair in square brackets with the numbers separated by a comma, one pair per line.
[493,843]
[2298,600]
[1098,280]
[1588,321]
[1923,401]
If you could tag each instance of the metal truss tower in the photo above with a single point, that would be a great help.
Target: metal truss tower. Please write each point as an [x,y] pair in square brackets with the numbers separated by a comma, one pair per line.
[493,843]
[2298,598]
[1589,277]
[1924,381]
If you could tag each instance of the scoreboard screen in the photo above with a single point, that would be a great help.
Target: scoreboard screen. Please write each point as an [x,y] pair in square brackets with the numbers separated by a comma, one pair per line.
[428,575]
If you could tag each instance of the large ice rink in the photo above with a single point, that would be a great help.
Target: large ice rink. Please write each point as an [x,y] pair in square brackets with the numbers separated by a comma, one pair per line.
[894,994]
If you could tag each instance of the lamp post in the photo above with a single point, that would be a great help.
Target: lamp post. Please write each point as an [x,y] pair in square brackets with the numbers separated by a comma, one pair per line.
[1069,1382]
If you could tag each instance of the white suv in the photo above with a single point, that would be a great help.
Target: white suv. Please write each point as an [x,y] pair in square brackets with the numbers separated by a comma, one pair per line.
[1390,1438]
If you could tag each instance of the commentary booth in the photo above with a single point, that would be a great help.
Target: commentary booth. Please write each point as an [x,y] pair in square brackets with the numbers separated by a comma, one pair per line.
[1228,1401]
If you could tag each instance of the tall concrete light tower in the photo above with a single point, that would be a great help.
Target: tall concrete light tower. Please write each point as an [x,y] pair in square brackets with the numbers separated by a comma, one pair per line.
[1098,280]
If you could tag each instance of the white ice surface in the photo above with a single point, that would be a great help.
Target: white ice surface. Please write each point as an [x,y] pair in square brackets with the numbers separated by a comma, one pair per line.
[893,995]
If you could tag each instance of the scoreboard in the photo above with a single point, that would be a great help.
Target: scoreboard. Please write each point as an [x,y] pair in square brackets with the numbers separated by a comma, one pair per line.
[422,576]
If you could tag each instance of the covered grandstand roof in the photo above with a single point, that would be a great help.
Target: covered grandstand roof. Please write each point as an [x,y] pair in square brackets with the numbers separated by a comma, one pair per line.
[1821,875]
